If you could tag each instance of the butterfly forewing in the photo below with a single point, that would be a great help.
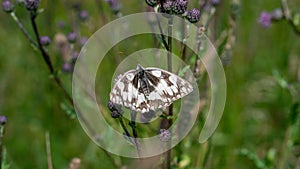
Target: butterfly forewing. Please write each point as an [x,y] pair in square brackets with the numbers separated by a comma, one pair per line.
[157,89]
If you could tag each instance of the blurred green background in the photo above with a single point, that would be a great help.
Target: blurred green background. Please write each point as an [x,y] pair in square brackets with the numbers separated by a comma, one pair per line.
[256,130]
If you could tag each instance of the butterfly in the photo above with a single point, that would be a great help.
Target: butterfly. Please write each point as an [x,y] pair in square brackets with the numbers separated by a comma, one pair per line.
[148,89]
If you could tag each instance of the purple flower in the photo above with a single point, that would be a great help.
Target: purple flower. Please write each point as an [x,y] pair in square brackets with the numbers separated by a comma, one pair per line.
[8,6]
[265,19]
[179,6]
[151,3]
[3,120]
[116,110]
[74,56]
[167,7]
[67,67]
[45,40]
[164,135]
[193,15]
[32,5]
[72,37]
[115,6]
[83,15]
[215,2]
[83,40]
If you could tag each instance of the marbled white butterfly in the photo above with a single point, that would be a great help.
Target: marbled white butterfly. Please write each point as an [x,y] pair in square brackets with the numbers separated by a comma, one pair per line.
[146,89]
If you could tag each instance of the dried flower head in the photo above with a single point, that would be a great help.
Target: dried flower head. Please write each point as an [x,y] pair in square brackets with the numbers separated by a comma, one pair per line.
[8,6]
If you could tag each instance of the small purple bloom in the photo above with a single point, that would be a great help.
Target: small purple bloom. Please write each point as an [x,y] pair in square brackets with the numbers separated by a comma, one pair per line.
[3,120]
[167,7]
[83,41]
[32,5]
[8,6]
[83,15]
[115,110]
[67,67]
[180,6]
[74,56]
[215,2]
[193,15]
[115,6]
[45,40]
[72,37]
[265,19]
[164,135]
[151,3]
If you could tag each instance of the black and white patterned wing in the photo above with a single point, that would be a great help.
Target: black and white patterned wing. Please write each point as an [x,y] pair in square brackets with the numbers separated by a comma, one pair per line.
[168,87]
[123,92]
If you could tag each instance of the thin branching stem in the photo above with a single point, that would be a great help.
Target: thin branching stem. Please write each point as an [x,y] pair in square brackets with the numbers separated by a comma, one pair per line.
[287,15]
[48,150]
[134,132]
[163,38]
[23,29]
[170,109]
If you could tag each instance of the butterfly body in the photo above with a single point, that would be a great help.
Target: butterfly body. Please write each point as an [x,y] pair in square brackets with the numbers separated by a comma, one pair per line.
[146,89]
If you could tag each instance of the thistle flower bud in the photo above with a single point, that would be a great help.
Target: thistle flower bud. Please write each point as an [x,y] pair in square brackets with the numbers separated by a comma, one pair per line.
[167,7]
[180,6]
[32,5]
[83,15]
[3,120]
[67,67]
[164,135]
[193,15]
[115,6]
[72,37]
[8,6]
[45,40]
[215,2]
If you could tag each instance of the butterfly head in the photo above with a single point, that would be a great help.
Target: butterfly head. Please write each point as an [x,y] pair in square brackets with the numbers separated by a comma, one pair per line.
[140,71]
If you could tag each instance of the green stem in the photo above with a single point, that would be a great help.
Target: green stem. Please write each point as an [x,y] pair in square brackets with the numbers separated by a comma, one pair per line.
[22,28]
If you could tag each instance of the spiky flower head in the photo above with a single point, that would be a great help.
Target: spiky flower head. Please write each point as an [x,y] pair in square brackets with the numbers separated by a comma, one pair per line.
[193,15]
[180,6]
